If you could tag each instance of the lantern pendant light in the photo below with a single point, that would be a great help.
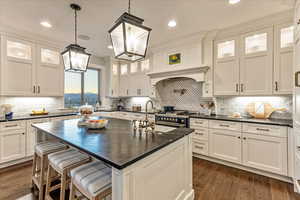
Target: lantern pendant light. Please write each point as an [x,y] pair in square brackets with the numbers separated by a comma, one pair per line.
[74,57]
[129,37]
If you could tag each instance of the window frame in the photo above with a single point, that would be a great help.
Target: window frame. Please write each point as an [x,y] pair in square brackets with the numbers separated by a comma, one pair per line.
[82,92]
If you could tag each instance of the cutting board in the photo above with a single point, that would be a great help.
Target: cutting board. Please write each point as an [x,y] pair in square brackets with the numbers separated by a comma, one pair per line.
[261,110]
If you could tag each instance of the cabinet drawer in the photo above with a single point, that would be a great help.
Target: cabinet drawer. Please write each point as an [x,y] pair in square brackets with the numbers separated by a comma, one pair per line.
[194,123]
[269,130]
[16,125]
[225,125]
[201,134]
[200,147]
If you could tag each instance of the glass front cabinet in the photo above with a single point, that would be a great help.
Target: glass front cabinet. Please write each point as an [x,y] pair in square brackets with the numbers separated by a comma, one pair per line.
[30,69]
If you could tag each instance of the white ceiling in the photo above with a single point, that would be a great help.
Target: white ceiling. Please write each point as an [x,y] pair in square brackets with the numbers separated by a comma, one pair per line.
[97,16]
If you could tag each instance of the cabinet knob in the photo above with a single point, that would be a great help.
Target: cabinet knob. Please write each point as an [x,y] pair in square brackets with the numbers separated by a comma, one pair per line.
[244,138]
[23,133]
[298,22]
[276,86]
[34,89]
[239,137]
[242,87]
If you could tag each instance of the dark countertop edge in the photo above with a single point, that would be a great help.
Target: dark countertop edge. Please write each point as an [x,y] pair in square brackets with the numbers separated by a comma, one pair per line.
[18,118]
[122,166]
[245,120]
[130,111]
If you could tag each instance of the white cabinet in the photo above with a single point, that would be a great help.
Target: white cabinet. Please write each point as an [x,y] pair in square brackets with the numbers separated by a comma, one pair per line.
[12,141]
[114,80]
[124,80]
[283,59]
[17,66]
[49,72]
[265,153]
[226,69]
[256,63]
[30,69]
[225,145]
[31,138]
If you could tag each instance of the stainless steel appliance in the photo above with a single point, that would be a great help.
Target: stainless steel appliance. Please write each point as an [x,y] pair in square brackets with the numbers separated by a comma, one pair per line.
[179,119]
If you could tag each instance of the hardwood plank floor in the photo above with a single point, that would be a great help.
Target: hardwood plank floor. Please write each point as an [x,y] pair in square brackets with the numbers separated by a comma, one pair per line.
[211,182]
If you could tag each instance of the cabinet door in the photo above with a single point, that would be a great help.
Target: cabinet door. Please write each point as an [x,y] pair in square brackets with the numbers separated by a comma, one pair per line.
[124,80]
[283,59]
[115,80]
[257,63]
[49,72]
[31,138]
[265,153]
[17,67]
[226,69]
[12,145]
[225,145]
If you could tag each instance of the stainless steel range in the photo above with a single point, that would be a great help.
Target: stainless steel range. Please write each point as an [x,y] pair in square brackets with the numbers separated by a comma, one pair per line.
[178,119]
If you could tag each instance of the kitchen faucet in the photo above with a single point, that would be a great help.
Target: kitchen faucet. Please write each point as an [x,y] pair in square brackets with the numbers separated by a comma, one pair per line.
[149,101]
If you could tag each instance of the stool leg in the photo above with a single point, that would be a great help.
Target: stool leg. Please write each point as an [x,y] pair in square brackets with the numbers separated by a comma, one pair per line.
[41,181]
[63,185]
[48,181]
[33,169]
[72,191]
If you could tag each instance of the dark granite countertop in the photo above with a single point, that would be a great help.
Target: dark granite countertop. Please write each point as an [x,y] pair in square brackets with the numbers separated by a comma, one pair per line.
[278,122]
[131,111]
[117,145]
[29,117]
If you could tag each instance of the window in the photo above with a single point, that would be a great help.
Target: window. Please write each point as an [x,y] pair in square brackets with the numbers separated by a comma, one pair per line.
[256,43]
[226,49]
[81,88]
[287,37]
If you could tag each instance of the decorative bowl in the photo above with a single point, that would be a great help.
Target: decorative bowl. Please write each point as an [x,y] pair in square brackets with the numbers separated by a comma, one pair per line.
[96,124]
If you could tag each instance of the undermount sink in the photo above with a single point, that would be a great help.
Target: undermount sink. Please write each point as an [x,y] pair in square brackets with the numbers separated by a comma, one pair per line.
[163,129]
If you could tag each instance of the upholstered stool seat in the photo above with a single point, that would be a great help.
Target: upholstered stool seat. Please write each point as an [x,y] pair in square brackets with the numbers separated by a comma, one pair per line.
[40,163]
[61,163]
[93,180]
[49,147]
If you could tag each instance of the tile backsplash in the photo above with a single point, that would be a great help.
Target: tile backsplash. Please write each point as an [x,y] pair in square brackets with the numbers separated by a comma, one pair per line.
[228,105]
[24,105]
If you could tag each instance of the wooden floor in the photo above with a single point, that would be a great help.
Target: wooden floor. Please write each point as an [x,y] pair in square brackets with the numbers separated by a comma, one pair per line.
[211,182]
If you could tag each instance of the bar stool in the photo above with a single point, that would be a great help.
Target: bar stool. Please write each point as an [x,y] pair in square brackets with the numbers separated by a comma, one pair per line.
[93,180]
[40,163]
[60,163]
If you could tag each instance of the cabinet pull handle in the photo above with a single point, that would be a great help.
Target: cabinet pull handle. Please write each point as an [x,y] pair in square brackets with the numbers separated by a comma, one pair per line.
[198,122]
[224,125]
[112,92]
[242,87]
[39,89]
[34,89]
[197,133]
[239,137]
[297,84]
[237,87]
[298,148]
[198,147]
[23,133]
[244,138]
[9,126]
[262,129]
[298,22]
[276,86]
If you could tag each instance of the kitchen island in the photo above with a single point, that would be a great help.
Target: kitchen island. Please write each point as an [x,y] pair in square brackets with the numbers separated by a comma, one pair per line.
[144,166]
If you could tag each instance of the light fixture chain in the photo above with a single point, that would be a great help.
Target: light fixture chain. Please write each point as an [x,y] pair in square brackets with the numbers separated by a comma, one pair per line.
[75,26]
[129,6]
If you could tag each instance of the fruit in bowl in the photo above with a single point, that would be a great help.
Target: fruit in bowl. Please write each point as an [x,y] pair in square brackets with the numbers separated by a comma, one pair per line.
[97,124]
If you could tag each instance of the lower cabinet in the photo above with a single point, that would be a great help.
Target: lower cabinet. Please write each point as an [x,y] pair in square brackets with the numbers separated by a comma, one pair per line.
[262,147]
[265,153]
[225,145]
[12,145]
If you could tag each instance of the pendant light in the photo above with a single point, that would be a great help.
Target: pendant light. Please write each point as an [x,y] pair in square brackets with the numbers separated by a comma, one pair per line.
[75,58]
[129,37]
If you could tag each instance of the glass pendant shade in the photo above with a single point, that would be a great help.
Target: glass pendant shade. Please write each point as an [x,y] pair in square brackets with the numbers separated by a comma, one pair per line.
[75,58]
[129,38]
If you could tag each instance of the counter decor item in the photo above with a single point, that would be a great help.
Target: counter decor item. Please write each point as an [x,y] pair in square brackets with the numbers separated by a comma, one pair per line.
[137,108]
[169,109]
[39,112]
[97,124]
[207,109]
[85,111]
[236,115]
[260,110]
[7,111]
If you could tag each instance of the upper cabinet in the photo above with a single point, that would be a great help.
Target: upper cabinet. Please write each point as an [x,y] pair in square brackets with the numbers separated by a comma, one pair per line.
[255,63]
[226,67]
[283,59]
[114,90]
[17,66]
[30,69]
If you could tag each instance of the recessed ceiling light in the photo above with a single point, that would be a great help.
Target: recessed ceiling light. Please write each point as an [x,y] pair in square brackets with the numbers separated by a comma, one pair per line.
[234,1]
[46,24]
[110,47]
[172,23]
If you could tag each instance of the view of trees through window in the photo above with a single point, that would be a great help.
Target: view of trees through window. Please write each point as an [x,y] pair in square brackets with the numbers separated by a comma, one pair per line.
[81,88]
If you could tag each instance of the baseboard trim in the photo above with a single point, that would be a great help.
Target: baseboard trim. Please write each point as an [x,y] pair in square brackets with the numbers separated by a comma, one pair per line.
[16,163]
[241,167]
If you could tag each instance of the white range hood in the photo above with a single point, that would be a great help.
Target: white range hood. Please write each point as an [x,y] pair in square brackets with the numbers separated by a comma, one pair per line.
[195,73]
